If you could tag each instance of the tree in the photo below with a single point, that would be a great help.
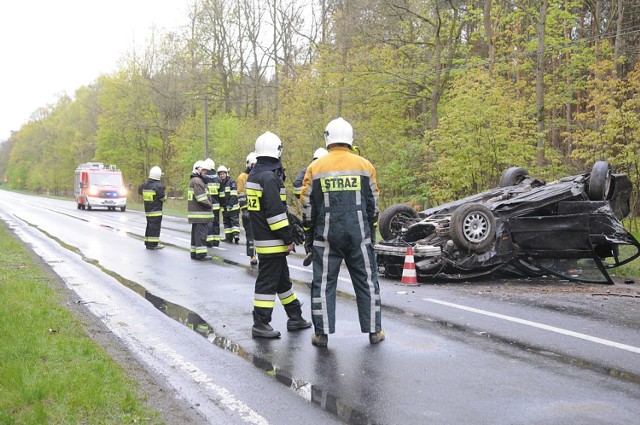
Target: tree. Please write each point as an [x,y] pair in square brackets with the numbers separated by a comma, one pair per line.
[483,131]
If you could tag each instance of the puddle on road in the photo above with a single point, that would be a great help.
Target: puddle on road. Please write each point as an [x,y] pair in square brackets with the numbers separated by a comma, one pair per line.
[310,392]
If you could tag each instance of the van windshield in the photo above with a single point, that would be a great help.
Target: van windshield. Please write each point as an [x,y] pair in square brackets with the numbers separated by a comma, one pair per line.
[106,179]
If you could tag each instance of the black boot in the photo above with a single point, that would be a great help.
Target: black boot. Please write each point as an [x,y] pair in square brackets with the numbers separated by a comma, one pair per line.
[296,321]
[261,329]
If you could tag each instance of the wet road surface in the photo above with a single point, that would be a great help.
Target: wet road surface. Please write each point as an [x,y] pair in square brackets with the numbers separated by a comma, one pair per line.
[513,352]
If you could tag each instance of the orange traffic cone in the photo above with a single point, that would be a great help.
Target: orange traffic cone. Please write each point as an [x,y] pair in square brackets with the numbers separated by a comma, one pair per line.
[409,276]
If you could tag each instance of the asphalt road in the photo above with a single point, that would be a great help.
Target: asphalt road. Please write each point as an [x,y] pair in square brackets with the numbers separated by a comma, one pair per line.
[504,352]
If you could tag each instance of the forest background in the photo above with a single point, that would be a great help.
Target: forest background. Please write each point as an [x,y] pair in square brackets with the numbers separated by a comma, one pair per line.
[443,95]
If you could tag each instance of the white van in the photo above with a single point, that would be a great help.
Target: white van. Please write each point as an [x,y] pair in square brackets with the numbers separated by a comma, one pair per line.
[99,186]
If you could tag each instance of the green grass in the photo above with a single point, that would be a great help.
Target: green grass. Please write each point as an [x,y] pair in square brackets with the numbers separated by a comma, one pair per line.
[631,270]
[51,372]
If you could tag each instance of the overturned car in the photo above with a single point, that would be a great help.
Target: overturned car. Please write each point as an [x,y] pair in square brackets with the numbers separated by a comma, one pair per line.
[526,227]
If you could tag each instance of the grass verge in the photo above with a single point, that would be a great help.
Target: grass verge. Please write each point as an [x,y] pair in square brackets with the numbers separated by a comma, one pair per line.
[51,371]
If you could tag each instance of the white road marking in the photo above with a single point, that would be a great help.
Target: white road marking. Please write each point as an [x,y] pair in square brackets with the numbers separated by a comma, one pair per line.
[226,398]
[589,338]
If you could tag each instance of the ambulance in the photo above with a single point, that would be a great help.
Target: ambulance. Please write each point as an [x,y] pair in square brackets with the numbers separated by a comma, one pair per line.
[99,186]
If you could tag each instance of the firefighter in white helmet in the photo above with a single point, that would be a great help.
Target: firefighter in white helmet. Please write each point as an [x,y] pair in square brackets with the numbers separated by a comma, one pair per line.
[213,188]
[198,211]
[274,239]
[297,183]
[153,195]
[340,207]
[229,205]
[242,201]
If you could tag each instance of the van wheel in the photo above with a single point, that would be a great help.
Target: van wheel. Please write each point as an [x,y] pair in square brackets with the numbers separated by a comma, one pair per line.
[121,208]
[89,207]
[79,206]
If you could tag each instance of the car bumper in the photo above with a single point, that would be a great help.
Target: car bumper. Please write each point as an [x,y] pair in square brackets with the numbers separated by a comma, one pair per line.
[421,251]
[101,202]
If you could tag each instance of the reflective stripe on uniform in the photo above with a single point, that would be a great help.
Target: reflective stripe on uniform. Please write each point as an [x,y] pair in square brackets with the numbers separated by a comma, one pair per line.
[287,297]
[278,222]
[274,246]
[148,195]
[264,300]
[200,214]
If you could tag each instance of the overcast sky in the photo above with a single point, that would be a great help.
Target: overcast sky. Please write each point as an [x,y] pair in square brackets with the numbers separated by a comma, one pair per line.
[49,47]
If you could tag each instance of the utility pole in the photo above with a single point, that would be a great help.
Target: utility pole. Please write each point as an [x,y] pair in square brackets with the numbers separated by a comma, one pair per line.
[206,128]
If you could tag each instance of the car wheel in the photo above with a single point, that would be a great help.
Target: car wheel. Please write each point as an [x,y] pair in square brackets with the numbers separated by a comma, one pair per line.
[89,207]
[473,227]
[600,181]
[513,176]
[395,218]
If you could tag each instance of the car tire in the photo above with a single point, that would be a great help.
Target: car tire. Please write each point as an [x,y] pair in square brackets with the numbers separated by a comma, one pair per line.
[513,176]
[600,181]
[394,218]
[88,207]
[473,227]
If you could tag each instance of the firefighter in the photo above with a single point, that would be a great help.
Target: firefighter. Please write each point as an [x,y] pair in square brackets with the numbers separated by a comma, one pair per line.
[297,188]
[297,183]
[213,188]
[340,207]
[274,240]
[242,201]
[229,205]
[198,211]
[153,194]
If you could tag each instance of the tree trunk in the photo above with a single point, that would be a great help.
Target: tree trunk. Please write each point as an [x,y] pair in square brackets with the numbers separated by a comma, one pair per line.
[488,31]
[618,41]
[540,113]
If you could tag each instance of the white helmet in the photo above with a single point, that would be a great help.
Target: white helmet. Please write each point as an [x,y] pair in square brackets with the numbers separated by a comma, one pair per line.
[197,166]
[222,168]
[319,153]
[155,173]
[338,131]
[209,164]
[251,159]
[268,144]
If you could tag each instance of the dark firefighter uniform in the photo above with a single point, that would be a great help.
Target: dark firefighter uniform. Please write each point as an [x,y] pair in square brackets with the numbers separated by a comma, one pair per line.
[153,194]
[340,205]
[297,183]
[230,209]
[246,219]
[213,188]
[266,202]
[199,214]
